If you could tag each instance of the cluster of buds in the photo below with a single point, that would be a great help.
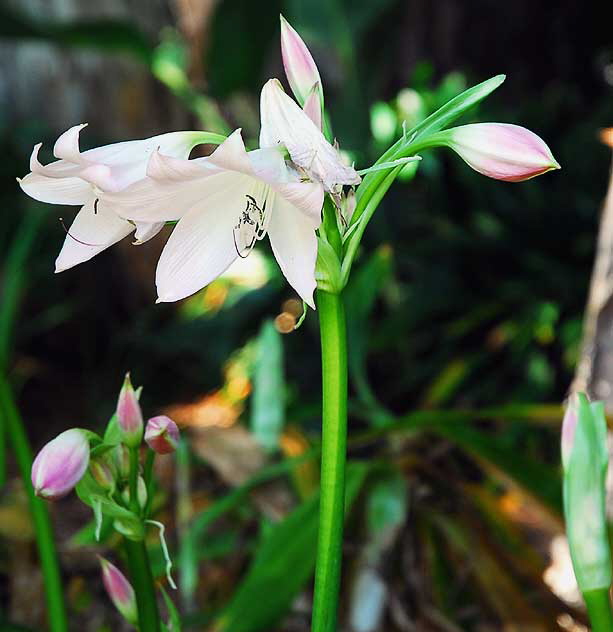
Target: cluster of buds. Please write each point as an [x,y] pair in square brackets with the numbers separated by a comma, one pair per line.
[101,469]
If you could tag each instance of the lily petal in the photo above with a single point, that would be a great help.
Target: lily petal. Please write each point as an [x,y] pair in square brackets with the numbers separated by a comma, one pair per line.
[56,190]
[283,122]
[92,231]
[202,246]
[67,145]
[294,244]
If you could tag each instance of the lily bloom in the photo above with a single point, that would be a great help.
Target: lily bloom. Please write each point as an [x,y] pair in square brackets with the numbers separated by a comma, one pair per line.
[228,201]
[78,178]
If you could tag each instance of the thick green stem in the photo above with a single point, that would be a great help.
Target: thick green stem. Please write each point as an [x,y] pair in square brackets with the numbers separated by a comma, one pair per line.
[13,426]
[142,582]
[599,610]
[333,458]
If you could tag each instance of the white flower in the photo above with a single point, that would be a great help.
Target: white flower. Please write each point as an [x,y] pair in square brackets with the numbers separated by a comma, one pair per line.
[284,123]
[80,178]
[225,203]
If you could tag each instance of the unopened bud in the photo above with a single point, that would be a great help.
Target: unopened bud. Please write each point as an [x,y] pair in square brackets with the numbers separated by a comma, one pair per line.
[300,68]
[129,415]
[119,590]
[103,471]
[61,464]
[501,151]
[121,460]
[141,492]
[162,434]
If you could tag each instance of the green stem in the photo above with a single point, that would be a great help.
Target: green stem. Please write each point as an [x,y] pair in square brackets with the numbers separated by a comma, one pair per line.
[148,476]
[599,610]
[333,458]
[133,481]
[142,582]
[13,427]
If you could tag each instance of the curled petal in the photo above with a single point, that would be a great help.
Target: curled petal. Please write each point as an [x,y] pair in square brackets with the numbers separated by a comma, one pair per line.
[144,232]
[67,145]
[95,228]
[70,191]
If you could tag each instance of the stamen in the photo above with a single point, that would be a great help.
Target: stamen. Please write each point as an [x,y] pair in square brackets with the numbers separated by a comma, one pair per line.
[251,227]
[78,240]
[96,206]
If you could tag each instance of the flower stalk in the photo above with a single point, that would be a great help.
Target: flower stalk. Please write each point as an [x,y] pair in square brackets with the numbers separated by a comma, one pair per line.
[333,460]
[13,426]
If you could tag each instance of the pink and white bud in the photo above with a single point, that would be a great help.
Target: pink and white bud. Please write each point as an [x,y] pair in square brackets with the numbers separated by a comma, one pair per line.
[300,68]
[502,151]
[119,590]
[569,425]
[61,464]
[162,434]
[129,415]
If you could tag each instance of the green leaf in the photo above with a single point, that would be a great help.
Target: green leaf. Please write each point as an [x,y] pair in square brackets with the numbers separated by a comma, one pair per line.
[174,624]
[585,495]
[283,565]
[268,399]
[327,268]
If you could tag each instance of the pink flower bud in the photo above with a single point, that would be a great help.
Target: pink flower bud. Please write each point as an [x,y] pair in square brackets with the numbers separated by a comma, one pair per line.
[129,415]
[103,471]
[502,151]
[119,590]
[60,465]
[300,68]
[162,434]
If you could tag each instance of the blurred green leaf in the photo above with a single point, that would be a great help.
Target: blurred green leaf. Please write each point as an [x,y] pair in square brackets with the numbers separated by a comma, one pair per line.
[282,565]
[268,399]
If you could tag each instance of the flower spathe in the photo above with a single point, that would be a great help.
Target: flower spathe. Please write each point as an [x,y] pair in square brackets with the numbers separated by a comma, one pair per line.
[78,178]
[224,204]
[60,464]
[501,151]
[119,590]
[162,434]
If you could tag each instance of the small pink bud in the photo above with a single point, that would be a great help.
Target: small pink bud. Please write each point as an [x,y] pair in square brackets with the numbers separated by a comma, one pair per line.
[60,465]
[129,415]
[300,68]
[569,425]
[162,434]
[119,590]
[502,151]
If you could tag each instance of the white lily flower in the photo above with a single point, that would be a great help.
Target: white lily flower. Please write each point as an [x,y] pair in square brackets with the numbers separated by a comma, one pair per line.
[225,203]
[284,123]
[79,178]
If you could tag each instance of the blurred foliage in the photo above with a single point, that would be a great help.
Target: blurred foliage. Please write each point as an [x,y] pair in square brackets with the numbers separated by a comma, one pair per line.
[464,316]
